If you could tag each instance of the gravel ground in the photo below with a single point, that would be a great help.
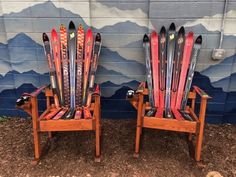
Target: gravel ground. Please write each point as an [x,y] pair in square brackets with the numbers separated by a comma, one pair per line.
[162,154]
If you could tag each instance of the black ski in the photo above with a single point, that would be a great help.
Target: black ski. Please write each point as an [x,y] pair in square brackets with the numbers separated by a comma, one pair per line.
[179,47]
[94,65]
[146,46]
[196,47]
[52,72]
[93,69]
[72,60]
[170,58]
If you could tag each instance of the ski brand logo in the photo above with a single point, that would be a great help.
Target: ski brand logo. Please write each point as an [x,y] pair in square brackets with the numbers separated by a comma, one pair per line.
[180,40]
[72,35]
[163,40]
[172,36]
[73,90]
[65,71]
[88,43]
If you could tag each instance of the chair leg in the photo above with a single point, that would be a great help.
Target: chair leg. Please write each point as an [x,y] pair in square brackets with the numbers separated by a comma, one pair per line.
[36,147]
[201,130]
[100,127]
[49,135]
[97,129]
[190,136]
[98,144]
[36,133]
[137,141]
[141,122]
[199,145]
[139,125]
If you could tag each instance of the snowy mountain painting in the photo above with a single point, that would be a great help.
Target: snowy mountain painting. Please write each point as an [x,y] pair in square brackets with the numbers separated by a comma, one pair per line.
[121,64]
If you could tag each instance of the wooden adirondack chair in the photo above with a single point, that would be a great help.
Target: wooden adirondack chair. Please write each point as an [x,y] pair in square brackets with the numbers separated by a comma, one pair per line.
[193,125]
[41,123]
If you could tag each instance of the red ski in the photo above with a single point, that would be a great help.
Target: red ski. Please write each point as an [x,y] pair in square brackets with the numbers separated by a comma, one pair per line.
[60,114]
[65,65]
[57,60]
[162,72]
[87,60]
[51,114]
[87,113]
[80,49]
[184,68]
[78,113]
[155,72]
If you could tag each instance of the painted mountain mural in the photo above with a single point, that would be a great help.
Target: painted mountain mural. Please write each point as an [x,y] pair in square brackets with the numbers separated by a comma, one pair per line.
[23,67]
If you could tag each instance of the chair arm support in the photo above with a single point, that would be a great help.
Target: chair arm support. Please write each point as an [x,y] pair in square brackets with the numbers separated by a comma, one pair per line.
[97,90]
[141,87]
[97,96]
[204,97]
[97,105]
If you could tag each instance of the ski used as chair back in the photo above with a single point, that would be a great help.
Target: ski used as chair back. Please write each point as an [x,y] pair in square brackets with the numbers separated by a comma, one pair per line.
[170,59]
[72,98]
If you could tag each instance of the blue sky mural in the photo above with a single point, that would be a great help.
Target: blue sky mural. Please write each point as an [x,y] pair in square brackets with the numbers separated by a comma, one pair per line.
[121,65]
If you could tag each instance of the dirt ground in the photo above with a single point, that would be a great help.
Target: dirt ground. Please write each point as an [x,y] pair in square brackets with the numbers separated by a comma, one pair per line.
[72,153]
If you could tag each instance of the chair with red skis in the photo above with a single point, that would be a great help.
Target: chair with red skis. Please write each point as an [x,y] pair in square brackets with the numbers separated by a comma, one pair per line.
[170,63]
[72,98]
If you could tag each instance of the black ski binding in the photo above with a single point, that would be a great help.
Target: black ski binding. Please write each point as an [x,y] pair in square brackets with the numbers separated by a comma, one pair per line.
[186,116]
[151,112]
[70,114]
[168,114]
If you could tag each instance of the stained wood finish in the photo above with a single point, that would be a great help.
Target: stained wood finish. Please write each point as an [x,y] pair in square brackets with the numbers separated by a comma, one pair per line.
[194,127]
[67,125]
[41,125]
[170,124]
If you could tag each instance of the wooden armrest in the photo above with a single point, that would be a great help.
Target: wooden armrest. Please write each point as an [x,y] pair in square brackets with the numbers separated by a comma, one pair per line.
[36,92]
[201,92]
[39,90]
[25,97]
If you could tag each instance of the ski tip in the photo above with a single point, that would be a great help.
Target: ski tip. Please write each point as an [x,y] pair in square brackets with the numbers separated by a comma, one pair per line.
[45,37]
[53,31]
[89,30]
[163,30]
[145,38]
[62,26]
[154,33]
[190,34]
[80,27]
[172,27]
[181,30]
[199,40]
[98,37]
[71,25]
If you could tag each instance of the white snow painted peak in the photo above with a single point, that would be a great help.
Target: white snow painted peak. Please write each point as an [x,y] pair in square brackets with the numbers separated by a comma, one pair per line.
[213,23]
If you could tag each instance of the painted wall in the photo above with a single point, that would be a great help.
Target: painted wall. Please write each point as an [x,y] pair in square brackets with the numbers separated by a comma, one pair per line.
[122,25]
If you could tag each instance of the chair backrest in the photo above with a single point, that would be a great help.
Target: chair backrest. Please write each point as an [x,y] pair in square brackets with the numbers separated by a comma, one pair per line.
[72,70]
[170,63]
